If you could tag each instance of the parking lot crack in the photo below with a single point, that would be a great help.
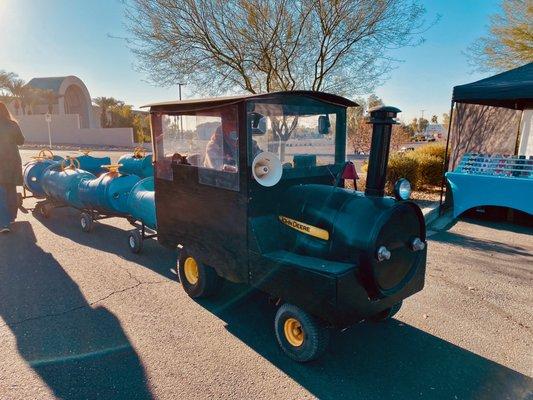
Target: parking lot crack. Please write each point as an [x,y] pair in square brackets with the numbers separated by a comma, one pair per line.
[80,307]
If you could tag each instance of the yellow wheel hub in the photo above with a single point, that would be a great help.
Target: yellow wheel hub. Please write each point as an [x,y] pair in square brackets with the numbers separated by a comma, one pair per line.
[191,270]
[294,332]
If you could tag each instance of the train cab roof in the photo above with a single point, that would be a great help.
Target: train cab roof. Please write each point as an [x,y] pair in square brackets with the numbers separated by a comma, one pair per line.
[206,103]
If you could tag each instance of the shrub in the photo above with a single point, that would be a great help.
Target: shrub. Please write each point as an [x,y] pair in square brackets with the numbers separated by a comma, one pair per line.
[428,169]
[401,166]
[435,149]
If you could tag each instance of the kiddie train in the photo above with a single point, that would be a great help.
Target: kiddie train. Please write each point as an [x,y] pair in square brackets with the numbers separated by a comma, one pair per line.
[251,189]
[97,188]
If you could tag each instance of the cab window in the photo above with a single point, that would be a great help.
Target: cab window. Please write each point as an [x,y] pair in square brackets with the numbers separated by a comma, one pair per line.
[301,135]
[207,140]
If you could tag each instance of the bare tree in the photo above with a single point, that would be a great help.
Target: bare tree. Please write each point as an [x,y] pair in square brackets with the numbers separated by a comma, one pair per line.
[266,45]
[509,42]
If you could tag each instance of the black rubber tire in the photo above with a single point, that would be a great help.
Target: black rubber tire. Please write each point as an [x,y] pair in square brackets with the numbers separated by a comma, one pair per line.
[135,241]
[86,222]
[387,314]
[44,210]
[209,281]
[316,334]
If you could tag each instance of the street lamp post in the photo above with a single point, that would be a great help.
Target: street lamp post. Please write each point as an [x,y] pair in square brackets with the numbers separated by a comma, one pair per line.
[48,118]
[181,118]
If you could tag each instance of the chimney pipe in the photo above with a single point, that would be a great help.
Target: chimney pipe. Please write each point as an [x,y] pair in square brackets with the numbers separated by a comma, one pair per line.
[382,118]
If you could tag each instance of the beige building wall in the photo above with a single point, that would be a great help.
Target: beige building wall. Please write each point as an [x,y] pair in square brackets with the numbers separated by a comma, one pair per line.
[65,129]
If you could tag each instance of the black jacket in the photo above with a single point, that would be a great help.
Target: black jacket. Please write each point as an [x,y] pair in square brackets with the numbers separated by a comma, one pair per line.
[10,163]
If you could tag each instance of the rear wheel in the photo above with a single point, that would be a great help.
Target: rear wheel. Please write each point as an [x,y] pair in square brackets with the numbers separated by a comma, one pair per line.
[44,210]
[135,241]
[86,222]
[300,335]
[386,314]
[198,280]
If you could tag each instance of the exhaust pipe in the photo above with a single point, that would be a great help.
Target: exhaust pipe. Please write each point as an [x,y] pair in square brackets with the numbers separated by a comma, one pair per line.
[382,118]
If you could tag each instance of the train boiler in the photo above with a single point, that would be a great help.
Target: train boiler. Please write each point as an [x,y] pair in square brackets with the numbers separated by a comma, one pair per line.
[252,190]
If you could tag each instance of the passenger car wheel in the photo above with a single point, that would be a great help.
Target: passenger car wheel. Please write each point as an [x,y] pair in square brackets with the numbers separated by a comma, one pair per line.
[386,314]
[135,241]
[300,335]
[86,222]
[198,280]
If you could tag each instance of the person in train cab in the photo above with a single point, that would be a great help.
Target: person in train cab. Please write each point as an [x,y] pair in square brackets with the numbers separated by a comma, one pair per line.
[10,168]
[222,151]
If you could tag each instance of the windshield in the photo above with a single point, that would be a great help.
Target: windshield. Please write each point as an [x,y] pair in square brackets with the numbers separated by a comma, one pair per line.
[302,134]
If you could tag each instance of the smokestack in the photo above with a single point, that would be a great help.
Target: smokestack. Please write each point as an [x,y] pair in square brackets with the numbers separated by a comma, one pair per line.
[382,118]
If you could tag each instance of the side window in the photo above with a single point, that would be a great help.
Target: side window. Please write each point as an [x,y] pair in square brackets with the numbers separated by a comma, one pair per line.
[207,140]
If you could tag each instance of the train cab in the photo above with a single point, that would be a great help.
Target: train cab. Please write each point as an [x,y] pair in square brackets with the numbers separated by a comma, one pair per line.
[251,189]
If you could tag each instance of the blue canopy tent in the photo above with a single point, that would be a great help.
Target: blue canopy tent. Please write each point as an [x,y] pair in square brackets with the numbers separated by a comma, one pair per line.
[511,90]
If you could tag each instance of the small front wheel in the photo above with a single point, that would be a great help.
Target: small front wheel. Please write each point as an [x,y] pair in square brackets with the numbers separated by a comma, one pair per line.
[386,314]
[198,280]
[86,222]
[300,335]
[135,241]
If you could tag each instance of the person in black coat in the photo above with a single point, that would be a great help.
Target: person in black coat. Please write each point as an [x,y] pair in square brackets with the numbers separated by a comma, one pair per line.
[10,168]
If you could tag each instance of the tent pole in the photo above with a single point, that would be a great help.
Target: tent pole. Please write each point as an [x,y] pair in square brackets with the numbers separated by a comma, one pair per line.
[446,163]
[517,144]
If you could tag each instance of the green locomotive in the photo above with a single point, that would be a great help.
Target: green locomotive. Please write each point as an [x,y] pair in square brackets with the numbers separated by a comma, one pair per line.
[251,188]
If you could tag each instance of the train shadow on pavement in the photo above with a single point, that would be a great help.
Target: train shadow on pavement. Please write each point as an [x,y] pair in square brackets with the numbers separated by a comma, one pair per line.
[480,244]
[389,360]
[79,350]
[111,239]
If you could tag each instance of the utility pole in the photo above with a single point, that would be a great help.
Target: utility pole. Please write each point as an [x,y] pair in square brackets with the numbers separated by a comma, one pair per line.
[179,87]
[422,113]
[181,117]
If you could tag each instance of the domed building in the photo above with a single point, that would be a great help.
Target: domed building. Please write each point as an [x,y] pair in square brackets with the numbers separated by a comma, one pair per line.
[71,97]
[74,120]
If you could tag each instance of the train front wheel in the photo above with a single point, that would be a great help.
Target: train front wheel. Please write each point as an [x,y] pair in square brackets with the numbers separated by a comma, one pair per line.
[300,335]
[198,280]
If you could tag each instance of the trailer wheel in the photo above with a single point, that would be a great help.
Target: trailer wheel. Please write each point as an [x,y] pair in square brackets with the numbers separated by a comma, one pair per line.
[387,314]
[135,241]
[300,335]
[43,210]
[198,280]
[86,222]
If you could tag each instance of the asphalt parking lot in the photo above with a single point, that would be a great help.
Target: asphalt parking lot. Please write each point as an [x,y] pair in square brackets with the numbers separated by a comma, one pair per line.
[82,317]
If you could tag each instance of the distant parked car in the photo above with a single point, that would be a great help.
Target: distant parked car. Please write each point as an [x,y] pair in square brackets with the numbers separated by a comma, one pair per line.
[406,149]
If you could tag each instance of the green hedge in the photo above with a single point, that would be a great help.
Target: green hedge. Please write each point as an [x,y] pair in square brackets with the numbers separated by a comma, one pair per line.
[428,169]
[422,167]
[435,149]
[402,166]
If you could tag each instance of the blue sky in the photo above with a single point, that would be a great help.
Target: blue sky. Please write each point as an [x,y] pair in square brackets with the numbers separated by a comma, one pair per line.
[71,37]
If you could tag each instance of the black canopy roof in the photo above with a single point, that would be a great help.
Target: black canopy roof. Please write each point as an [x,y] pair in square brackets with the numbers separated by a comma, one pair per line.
[194,104]
[510,89]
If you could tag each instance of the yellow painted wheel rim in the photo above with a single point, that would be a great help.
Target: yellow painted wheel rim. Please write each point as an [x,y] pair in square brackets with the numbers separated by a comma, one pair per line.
[191,270]
[294,332]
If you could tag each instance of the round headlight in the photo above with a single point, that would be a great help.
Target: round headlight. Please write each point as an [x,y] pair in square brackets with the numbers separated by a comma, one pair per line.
[402,189]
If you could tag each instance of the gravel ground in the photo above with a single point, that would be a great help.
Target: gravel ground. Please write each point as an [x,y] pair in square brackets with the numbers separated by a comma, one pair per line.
[82,318]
